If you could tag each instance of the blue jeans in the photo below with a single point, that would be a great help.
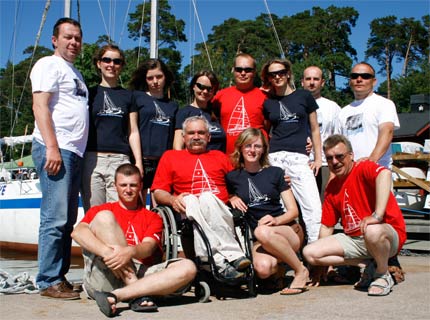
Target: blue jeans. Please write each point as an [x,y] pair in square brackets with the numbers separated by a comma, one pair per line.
[58,213]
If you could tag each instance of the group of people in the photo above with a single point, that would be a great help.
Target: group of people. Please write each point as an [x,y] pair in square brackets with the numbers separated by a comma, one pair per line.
[242,147]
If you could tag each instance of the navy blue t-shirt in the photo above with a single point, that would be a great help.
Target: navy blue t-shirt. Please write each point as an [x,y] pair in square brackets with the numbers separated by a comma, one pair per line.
[156,123]
[289,117]
[260,191]
[218,138]
[109,110]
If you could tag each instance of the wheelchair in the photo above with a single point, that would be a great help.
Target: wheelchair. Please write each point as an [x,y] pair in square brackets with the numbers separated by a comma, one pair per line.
[208,280]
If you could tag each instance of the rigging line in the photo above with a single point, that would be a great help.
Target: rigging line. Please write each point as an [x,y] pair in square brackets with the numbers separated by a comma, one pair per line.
[103,19]
[140,33]
[201,31]
[124,22]
[274,31]
[10,102]
[36,43]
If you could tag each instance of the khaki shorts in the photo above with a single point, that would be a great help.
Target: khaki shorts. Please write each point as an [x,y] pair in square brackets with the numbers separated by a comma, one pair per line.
[97,276]
[355,247]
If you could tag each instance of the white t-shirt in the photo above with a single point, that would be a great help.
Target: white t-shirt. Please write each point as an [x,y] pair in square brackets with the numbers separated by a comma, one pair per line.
[327,115]
[69,102]
[359,122]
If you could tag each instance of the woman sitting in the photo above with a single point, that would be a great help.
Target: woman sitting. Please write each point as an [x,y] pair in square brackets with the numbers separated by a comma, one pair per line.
[256,189]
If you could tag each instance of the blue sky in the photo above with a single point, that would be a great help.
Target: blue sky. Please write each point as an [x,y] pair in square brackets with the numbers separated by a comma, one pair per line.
[24,17]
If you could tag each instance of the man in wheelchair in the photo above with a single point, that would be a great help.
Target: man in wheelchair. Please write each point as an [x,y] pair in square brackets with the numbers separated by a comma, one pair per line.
[192,182]
[121,241]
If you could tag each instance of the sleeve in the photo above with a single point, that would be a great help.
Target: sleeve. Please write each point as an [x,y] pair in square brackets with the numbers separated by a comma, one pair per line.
[311,104]
[133,105]
[163,176]
[282,184]
[154,228]
[329,215]
[44,76]
[229,179]
[387,113]
[180,118]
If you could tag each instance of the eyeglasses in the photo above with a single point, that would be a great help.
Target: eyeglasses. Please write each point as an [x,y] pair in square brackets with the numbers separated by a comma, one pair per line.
[339,157]
[255,146]
[116,61]
[203,87]
[240,70]
[364,76]
[280,73]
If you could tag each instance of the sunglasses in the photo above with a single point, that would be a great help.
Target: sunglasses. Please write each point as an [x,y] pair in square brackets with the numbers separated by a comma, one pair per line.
[364,76]
[280,73]
[339,157]
[203,87]
[116,61]
[240,70]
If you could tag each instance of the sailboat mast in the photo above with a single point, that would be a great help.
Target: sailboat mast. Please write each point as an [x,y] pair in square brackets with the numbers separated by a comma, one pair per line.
[153,53]
[67,8]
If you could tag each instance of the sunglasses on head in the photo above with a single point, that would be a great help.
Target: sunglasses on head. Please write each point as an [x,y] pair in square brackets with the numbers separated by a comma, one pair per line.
[365,76]
[281,73]
[203,87]
[116,61]
[338,157]
[240,70]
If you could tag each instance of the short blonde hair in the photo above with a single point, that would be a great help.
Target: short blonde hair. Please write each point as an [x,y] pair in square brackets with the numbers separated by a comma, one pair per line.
[244,137]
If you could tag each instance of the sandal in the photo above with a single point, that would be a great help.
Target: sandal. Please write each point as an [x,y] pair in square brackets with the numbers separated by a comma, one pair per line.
[379,283]
[105,306]
[293,291]
[136,305]
[367,275]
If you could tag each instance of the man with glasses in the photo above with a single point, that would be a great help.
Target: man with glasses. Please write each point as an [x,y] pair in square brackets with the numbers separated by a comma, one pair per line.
[370,120]
[327,115]
[240,106]
[360,197]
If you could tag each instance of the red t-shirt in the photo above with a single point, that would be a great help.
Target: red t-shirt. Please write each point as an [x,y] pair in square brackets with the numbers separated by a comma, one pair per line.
[136,224]
[238,111]
[181,171]
[354,199]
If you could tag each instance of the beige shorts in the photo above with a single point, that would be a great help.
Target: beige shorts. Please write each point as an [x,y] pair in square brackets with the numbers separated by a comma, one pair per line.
[97,276]
[355,247]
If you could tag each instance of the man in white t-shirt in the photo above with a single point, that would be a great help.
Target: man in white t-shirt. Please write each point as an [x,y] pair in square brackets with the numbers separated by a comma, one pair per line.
[327,114]
[60,107]
[369,123]
[370,120]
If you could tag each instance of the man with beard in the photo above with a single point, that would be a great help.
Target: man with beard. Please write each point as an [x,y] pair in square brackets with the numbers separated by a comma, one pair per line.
[360,197]
[192,182]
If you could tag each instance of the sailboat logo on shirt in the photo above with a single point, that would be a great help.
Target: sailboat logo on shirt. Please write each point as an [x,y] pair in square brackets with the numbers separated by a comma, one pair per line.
[80,88]
[256,198]
[352,221]
[239,119]
[354,124]
[285,114]
[160,117]
[201,181]
[109,108]
[131,235]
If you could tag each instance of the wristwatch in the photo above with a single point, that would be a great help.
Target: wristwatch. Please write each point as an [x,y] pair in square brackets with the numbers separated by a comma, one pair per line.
[377,217]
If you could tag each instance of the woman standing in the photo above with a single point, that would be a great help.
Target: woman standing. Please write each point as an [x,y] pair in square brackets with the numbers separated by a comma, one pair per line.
[113,134]
[203,87]
[157,113]
[292,116]
[256,189]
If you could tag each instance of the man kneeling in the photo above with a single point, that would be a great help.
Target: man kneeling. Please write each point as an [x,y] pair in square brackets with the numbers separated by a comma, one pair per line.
[120,242]
[360,195]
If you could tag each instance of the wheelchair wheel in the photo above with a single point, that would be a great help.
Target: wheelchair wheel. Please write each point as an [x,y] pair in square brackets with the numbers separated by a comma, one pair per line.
[202,291]
[170,234]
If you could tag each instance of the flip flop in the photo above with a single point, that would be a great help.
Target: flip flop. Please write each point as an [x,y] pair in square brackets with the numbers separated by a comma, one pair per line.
[105,306]
[136,305]
[285,292]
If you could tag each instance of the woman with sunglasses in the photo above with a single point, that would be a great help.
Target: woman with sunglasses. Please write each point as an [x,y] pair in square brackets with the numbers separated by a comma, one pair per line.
[292,116]
[113,132]
[256,189]
[203,87]
[151,83]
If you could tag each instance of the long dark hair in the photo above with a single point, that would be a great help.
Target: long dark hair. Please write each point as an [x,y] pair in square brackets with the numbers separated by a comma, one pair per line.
[138,78]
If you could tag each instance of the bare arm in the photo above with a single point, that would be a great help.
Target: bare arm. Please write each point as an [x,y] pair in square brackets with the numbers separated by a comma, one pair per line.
[43,118]
[316,142]
[385,136]
[178,141]
[134,140]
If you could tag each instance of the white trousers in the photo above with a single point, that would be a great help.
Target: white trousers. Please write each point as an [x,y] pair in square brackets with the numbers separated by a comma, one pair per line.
[217,223]
[304,186]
